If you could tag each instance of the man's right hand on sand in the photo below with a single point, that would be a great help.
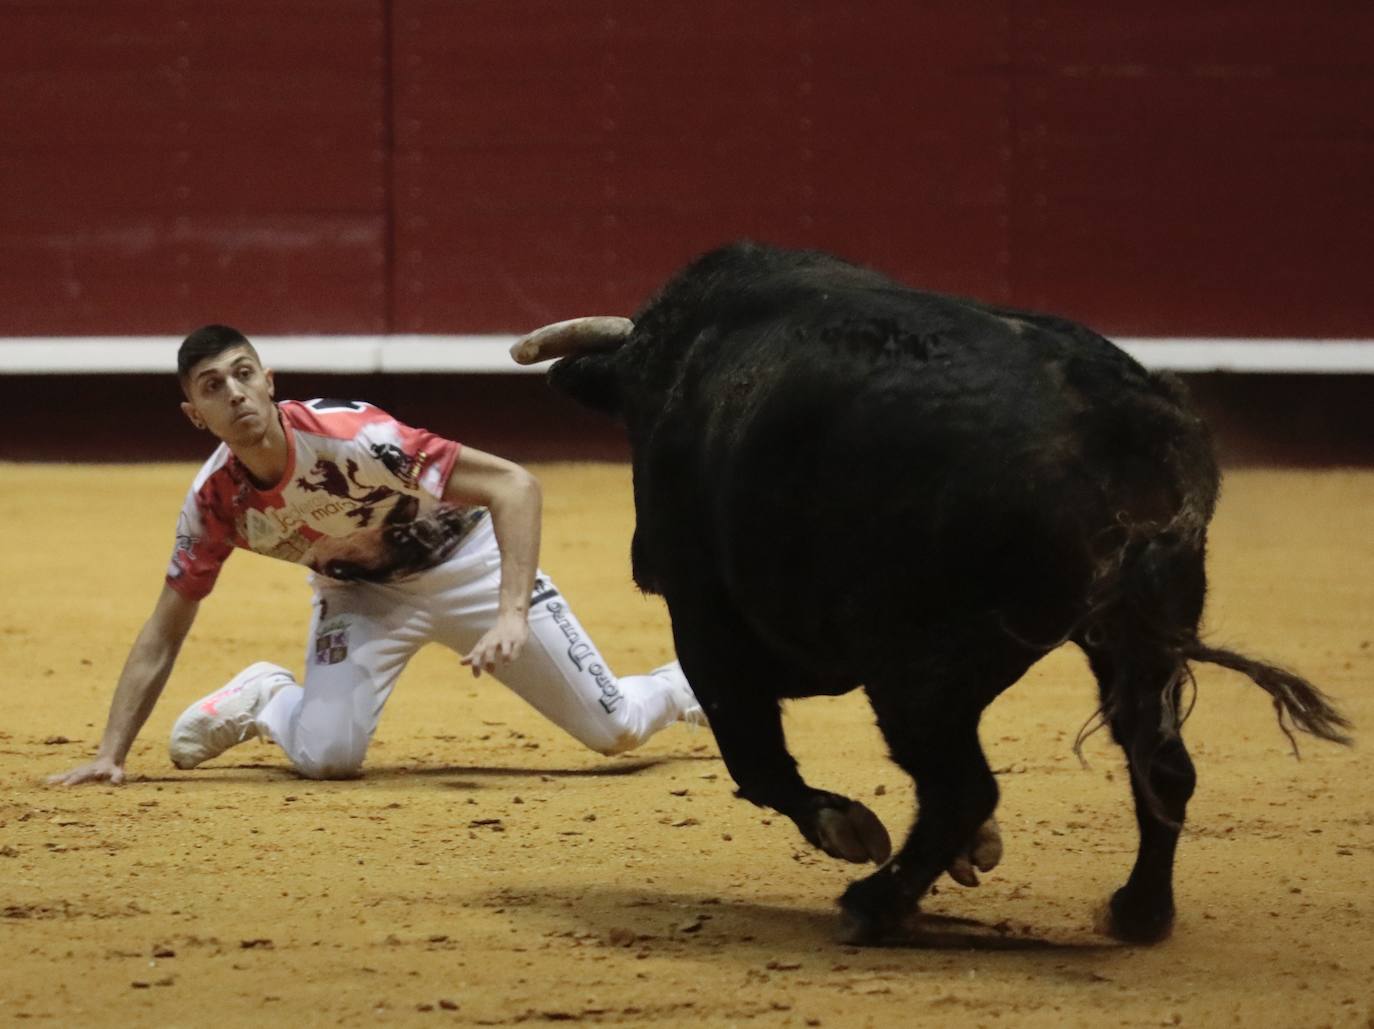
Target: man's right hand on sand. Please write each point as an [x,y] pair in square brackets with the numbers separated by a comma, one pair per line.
[99,770]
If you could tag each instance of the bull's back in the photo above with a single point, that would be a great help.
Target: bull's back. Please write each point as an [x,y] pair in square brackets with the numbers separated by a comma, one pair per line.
[885,460]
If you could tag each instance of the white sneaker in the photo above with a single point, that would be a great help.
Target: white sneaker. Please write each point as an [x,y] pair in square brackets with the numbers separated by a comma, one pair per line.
[226,717]
[689,708]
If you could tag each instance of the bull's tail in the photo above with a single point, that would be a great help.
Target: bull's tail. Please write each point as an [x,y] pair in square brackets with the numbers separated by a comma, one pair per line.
[1144,614]
[1141,634]
[1297,703]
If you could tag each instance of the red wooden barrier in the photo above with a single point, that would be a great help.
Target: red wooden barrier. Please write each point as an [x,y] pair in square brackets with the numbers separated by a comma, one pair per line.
[485,165]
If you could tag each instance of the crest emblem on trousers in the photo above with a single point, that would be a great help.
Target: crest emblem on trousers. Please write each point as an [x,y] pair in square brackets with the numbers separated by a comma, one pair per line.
[331,644]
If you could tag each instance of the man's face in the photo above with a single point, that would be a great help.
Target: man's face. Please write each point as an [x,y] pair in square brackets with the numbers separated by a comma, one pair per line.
[230,395]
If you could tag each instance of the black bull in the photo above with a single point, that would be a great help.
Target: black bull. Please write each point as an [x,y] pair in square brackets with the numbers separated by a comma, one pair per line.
[839,480]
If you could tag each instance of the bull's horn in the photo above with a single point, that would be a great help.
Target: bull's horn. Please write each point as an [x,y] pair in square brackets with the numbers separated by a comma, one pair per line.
[573,336]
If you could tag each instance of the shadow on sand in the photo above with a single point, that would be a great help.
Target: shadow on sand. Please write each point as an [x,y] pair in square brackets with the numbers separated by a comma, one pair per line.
[753,931]
[243,773]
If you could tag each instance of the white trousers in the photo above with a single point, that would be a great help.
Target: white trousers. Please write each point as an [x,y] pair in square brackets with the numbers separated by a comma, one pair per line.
[363,634]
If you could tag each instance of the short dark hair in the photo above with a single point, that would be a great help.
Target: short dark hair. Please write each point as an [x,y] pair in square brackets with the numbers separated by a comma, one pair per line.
[207,341]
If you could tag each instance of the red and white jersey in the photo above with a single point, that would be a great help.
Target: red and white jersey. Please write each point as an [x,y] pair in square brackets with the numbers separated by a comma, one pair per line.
[361,499]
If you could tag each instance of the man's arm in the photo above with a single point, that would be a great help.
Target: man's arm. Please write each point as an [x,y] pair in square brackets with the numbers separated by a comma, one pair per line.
[515,501]
[145,673]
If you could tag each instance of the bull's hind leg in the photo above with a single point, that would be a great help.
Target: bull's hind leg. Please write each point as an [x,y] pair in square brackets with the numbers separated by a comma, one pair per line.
[1141,695]
[929,718]
[1141,675]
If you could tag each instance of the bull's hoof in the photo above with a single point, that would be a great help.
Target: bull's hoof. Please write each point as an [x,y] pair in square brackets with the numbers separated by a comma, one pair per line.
[852,833]
[1130,921]
[876,909]
[983,854]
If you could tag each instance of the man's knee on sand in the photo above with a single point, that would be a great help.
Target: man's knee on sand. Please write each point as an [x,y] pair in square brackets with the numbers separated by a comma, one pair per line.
[336,760]
[610,741]
[345,761]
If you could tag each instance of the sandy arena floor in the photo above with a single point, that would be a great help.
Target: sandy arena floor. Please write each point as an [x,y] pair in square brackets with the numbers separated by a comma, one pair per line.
[488,871]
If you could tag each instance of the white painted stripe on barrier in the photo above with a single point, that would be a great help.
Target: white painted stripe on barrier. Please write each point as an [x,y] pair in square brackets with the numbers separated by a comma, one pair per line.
[1312,356]
[347,355]
[449,354]
[54,355]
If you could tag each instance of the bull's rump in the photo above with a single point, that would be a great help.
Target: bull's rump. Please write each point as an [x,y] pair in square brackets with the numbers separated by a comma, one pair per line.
[883,464]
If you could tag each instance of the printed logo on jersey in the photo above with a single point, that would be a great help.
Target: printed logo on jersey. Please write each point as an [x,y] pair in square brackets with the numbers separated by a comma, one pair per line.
[186,536]
[579,650]
[331,643]
[405,467]
[328,479]
[275,532]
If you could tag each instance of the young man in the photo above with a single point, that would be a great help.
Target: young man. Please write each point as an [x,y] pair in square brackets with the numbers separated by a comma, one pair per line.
[412,539]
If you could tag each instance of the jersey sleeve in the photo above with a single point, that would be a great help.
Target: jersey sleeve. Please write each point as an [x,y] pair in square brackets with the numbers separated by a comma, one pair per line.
[439,455]
[203,544]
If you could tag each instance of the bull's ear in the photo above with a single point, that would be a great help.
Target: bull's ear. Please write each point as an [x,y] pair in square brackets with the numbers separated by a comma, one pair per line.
[591,380]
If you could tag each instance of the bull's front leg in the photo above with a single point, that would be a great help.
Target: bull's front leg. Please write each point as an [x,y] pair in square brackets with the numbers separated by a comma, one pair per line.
[733,679]
[748,730]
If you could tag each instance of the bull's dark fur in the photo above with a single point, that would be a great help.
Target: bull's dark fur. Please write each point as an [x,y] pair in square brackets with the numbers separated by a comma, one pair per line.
[840,481]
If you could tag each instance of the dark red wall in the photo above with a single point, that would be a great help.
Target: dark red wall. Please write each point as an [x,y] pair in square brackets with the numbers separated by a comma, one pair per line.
[484,165]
